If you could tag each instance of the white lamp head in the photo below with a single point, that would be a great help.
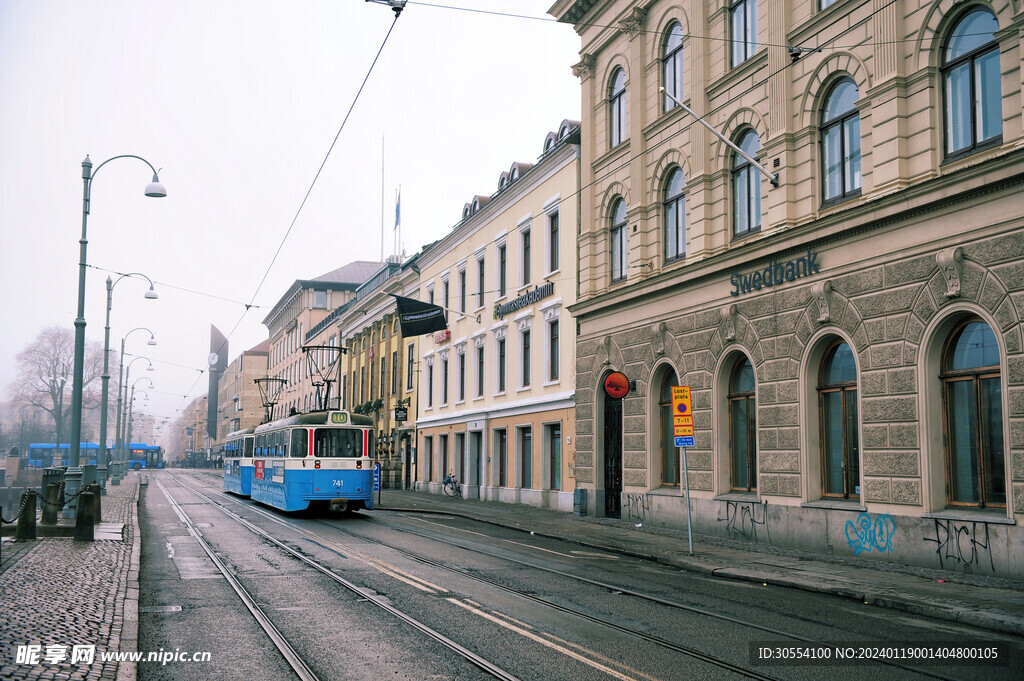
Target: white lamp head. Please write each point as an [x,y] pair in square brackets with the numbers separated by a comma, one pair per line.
[151,294]
[155,189]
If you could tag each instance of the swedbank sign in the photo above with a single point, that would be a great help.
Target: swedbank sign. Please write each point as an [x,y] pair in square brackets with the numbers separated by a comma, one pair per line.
[528,298]
[775,273]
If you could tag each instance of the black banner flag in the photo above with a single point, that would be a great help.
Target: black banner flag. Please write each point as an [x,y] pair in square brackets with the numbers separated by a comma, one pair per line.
[419,318]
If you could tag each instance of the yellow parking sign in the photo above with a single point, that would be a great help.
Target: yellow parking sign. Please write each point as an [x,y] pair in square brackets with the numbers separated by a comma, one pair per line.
[682,411]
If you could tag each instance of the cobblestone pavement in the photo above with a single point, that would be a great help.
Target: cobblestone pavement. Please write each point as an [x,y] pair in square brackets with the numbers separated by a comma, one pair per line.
[57,593]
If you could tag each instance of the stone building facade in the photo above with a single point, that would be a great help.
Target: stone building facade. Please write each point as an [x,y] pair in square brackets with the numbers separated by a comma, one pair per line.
[239,397]
[845,300]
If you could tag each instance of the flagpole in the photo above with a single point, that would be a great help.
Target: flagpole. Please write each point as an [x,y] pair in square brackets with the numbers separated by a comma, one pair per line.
[382,198]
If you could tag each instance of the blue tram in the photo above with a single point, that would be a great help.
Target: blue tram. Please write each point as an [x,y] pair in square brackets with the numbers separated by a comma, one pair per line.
[321,459]
[238,466]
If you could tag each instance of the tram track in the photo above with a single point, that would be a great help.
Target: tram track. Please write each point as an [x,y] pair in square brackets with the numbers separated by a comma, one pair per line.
[613,588]
[293,658]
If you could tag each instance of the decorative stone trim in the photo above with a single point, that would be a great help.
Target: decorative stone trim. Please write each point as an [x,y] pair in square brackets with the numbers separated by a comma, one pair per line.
[950,263]
[584,68]
[658,342]
[820,290]
[729,317]
[635,22]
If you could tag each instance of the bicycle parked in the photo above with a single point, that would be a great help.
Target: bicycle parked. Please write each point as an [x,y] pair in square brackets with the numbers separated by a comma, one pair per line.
[451,486]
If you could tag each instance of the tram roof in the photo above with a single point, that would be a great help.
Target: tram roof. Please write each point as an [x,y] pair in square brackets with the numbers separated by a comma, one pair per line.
[315,418]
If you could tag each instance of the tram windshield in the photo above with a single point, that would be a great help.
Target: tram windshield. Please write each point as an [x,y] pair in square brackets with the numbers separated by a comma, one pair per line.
[337,443]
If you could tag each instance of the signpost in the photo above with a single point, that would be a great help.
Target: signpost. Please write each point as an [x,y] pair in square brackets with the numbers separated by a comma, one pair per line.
[682,430]
[376,480]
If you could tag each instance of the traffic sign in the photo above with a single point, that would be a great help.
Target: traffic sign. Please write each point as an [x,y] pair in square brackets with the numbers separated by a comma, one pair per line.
[682,412]
[684,441]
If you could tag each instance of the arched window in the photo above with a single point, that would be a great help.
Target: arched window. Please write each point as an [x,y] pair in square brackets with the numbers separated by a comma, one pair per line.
[617,107]
[743,427]
[838,416]
[840,142]
[970,78]
[973,410]
[746,187]
[618,238]
[675,215]
[672,63]
[669,452]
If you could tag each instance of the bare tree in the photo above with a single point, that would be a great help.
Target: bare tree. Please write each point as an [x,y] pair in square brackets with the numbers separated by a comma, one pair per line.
[45,374]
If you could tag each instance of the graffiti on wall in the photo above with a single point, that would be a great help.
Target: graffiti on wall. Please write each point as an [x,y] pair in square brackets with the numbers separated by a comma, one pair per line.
[747,520]
[638,507]
[961,544]
[870,534]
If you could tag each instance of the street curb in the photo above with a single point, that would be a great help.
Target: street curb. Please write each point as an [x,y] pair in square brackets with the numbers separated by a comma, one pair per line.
[128,671]
[982,620]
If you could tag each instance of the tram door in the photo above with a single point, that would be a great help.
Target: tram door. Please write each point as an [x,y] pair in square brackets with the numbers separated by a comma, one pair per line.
[612,457]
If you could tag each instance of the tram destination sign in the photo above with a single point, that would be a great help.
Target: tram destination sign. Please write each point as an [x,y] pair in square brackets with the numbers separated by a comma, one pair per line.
[775,273]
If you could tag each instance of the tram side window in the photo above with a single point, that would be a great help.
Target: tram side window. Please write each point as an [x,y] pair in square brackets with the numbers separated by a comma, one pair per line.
[248,447]
[282,443]
[299,440]
[337,443]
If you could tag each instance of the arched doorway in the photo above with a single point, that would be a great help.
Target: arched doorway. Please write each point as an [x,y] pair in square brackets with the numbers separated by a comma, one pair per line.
[612,457]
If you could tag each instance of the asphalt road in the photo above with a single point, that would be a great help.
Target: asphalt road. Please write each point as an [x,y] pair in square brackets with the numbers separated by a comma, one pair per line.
[514,599]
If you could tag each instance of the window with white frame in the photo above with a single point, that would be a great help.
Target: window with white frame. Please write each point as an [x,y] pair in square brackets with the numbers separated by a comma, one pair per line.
[481,280]
[743,14]
[618,240]
[553,254]
[524,253]
[672,64]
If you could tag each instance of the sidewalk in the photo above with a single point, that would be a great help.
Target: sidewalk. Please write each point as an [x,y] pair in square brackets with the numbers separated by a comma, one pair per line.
[987,602]
[58,593]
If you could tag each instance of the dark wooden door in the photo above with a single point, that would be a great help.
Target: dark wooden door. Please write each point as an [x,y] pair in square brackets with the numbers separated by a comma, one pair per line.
[612,458]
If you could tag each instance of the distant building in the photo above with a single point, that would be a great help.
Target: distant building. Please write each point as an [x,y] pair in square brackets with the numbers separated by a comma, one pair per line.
[240,405]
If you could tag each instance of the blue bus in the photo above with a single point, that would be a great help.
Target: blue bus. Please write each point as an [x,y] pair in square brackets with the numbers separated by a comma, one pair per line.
[41,454]
[141,455]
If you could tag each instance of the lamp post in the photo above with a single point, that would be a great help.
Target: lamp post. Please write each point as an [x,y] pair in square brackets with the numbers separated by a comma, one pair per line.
[103,459]
[119,441]
[74,472]
[131,405]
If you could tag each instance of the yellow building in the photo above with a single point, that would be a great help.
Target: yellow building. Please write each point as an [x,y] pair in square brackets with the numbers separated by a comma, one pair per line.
[496,390]
[837,277]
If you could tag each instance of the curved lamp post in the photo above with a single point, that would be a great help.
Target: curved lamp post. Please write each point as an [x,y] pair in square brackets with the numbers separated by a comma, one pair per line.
[103,459]
[115,477]
[122,424]
[74,472]
[128,422]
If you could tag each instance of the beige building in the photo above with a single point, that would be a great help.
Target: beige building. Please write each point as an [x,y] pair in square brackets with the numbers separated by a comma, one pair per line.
[852,336]
[239,397]
[496,390]
[378,369]
[305,304]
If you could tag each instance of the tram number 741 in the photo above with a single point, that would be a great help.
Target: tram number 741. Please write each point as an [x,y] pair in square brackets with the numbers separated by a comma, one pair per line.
[338,483]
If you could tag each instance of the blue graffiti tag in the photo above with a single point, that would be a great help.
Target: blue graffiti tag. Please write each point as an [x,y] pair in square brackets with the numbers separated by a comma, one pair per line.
[865,534]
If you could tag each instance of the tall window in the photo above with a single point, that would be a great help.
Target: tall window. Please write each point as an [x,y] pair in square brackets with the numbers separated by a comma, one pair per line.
[618,234]
[970,77]
[501,364]
[480,285]
[743,427]
[553,242]
[502,270]
[501,444]
[462,290]
[617,107]
[743,15]
[443,377]
[525,336]
[669,451]
[840,142]
[675,216]
[428,455]
[395,372]
[446,288]
[555,454]
[430,385]
[553,350]
[410,362]
[462,377]
[526,457]
[526,256]
[672,64]
[746,187]
[973,406]
[840,443]
[480,371]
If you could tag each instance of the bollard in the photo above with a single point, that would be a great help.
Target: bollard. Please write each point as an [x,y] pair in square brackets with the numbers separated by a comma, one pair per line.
[97,496]
[27,518]
[83,519]
[51,497]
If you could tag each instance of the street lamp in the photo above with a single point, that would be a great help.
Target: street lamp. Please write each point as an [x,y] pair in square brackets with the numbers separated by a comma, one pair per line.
[103,459]
[128,421]
[118,438]
[74,472]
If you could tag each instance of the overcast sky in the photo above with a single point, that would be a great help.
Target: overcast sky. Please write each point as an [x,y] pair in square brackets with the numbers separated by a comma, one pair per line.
[238,103]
